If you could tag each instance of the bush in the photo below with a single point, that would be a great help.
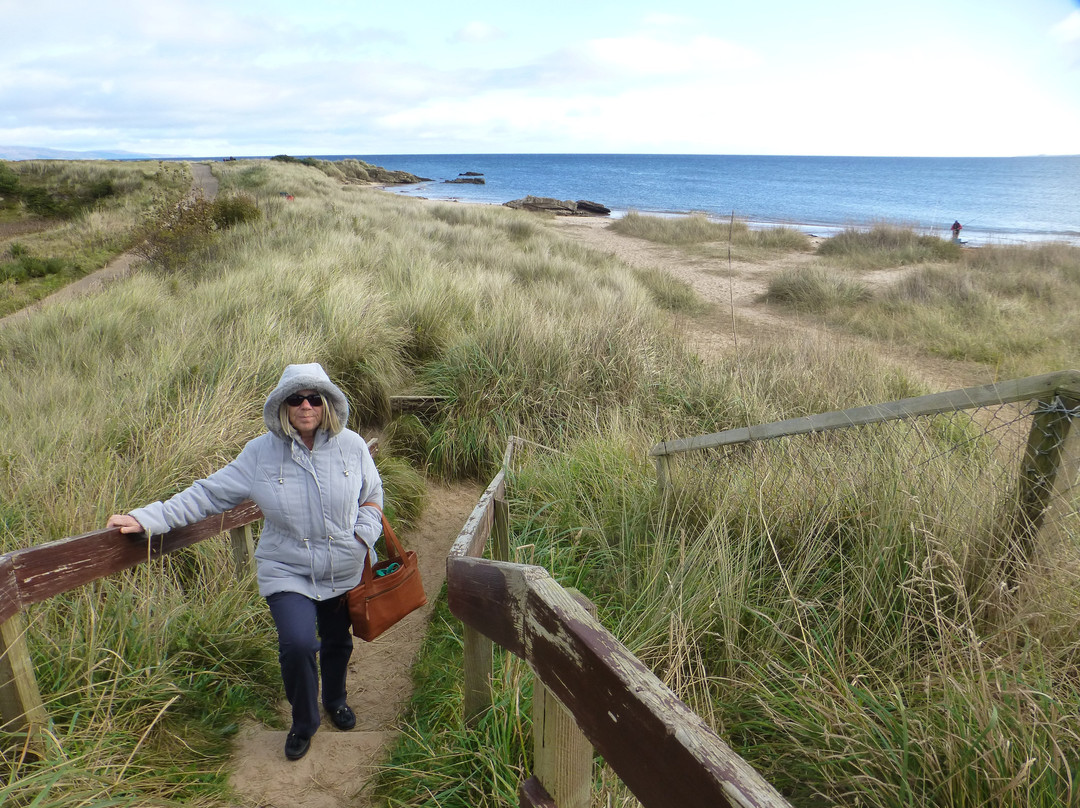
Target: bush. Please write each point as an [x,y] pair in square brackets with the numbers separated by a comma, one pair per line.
[228,211]
[172,232]
[9,180]
[26,266]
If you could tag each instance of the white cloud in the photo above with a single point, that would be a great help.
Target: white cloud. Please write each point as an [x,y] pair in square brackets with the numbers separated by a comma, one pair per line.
[130,74]
[477,32]
[646,55]
[659,19]
[1068,30]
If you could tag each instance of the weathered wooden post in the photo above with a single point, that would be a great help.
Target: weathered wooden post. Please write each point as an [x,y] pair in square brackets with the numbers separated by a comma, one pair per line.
[1039,476]
[663,480]
[20,699]
[243,550]
[562,755]
[478,658]
[500,530]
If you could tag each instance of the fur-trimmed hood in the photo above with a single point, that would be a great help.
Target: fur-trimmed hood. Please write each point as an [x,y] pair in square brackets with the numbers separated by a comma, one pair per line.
[303,377]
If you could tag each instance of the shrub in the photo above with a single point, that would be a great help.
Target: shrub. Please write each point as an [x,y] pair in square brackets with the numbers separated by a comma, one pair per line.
[228,211]
[9,180]
[173,231]
[40,201]
[26,266]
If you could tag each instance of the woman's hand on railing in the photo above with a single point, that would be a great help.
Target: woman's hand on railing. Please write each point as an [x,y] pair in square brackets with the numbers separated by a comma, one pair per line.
[126,523]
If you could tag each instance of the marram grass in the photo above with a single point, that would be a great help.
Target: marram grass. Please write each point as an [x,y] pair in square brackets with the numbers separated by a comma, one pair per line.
[834,646]
[126,396]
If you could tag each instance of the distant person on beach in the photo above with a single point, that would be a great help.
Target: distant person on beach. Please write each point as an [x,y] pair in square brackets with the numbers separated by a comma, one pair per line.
[956,228]
[321,499]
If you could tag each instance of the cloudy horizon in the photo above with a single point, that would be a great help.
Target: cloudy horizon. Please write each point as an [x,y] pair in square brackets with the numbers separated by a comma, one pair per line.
[195,78]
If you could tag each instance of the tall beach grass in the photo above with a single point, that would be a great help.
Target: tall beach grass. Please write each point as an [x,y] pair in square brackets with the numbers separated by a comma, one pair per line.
[827,627]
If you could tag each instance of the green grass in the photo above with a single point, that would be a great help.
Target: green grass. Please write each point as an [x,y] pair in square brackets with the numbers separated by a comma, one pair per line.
[813,289]
[711,236]
[887,246]
[991,308]
[477,766]
[830,610]
[83,228]
[1010,308]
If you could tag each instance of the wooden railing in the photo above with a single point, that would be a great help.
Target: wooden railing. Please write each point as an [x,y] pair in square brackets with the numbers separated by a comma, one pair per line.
[592,690]
[661,750]
[37,573]
[34,574]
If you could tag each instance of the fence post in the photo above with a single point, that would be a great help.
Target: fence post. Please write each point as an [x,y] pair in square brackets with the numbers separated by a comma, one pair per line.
[243,550]
[477,670]
[562,755]
[500,530]
[477,662]
[663,482]
[20,699]
[1039,476]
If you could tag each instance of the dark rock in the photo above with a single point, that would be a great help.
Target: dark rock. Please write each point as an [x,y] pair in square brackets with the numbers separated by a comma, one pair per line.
[471,174]
[585,206]
[560,207]
[466,180]
[401,177]
[546,204]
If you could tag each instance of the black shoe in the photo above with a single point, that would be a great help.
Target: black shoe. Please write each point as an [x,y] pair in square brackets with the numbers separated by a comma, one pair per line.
[296,746]
[343,717]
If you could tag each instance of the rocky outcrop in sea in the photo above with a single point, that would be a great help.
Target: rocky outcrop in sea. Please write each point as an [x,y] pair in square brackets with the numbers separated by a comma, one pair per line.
[560,207]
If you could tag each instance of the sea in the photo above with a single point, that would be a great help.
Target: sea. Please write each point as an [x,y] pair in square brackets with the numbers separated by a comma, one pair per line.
[997,200]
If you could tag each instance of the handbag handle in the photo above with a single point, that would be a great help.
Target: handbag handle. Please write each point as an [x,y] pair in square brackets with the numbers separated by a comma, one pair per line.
[392,543]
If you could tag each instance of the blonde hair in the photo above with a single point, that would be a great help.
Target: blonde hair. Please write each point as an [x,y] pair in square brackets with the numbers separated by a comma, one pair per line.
[330,421]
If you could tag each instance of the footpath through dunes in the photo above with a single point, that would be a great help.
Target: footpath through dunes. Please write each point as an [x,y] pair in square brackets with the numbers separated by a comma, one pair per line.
[737,313]
[335,773]
[203,182]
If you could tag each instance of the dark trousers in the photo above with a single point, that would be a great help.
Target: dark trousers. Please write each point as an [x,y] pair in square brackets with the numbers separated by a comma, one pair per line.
[301,624]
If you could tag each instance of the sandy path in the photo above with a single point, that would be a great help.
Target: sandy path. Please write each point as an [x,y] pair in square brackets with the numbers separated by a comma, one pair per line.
[203,181]
[736,313]
[334,774]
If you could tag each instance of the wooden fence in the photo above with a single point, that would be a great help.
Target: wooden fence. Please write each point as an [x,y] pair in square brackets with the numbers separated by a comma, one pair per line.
[591,684]
[37,573]
[1045,471]
[665,753]
[614,702]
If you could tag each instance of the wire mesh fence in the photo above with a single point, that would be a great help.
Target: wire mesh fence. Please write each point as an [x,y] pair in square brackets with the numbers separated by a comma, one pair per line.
[989,484]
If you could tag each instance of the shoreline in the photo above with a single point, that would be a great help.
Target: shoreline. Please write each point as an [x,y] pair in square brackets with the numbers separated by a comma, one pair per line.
[971,236]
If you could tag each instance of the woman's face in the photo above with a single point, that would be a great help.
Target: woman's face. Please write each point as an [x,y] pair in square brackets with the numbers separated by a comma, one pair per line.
[304,417]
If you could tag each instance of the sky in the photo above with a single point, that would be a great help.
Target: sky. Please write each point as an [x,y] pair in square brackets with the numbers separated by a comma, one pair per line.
[201,78]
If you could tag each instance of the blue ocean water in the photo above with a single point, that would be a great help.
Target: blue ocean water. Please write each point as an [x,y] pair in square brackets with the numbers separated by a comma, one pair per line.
[997,200]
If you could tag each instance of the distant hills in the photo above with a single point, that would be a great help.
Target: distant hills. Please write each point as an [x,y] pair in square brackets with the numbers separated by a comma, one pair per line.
[41,153]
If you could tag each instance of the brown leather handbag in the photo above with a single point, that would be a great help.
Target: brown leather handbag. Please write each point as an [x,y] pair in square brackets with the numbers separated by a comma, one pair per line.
[388,591]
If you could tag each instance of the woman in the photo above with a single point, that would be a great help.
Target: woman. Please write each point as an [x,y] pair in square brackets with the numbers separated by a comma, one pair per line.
[321,499]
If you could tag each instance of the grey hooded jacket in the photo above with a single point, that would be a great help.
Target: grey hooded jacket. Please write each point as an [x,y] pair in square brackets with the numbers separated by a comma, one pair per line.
[311,500]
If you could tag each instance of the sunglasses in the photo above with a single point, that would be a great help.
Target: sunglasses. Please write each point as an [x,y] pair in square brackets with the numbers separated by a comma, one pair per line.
[295,400]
